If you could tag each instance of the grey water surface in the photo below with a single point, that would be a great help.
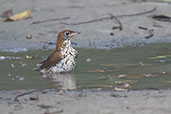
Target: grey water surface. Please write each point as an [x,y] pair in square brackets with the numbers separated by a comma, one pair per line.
[140,67]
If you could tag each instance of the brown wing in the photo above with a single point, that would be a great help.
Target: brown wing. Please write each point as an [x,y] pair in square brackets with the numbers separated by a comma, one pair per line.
[51,60]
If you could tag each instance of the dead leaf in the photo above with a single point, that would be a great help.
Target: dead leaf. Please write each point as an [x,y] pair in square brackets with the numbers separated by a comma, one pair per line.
[158,57]
[29,57]
[101,86]
[9,57]
[141,63]
[126,85]
[7,13]
[19,16]
[121,76]
[120,65]
[149,75]
[154,74]
[96,70]
[123,85]
[119,89]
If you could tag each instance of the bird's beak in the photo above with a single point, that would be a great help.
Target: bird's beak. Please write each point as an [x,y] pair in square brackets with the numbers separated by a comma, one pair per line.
[74,33]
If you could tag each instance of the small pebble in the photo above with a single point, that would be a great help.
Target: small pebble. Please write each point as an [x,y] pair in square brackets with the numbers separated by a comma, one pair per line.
[38,65]
[23,65]
[2,58]
[111,33]
[162,61]
[12,65]
[34,98]
[21,78]
[12,79]
[45,46]
[163,72]
[142,45]
[17,76]
[118,82]
[88,60]
[29,36]
[9,74]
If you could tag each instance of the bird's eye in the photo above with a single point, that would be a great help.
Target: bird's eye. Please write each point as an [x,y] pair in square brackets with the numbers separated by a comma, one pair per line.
[66,33]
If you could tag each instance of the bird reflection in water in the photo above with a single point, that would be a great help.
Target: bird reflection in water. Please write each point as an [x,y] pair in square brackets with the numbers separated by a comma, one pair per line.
[64,81]
[61,61]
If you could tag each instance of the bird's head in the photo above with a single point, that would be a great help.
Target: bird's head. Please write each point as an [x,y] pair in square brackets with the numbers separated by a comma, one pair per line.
[67,34]
[64,37]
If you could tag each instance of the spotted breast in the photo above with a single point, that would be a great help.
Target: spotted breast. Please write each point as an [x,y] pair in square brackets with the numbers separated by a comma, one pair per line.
[63,59]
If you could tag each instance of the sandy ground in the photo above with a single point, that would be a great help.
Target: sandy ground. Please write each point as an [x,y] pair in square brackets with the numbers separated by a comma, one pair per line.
[96,34]
[87,102]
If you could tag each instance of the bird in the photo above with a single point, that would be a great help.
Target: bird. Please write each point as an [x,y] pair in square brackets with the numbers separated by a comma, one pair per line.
[63,59]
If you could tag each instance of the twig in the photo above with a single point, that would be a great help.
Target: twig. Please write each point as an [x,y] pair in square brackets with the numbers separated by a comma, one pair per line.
[50,43]
[117,95]
[59,111]
[2,31]
[45,106]
[162,18]
[26,93]
[148,89]
[91,21]
[101,86]
[48,20]
[110,17]
[159,26]
[137,14]
[143,28]
[119,22]
[150,34]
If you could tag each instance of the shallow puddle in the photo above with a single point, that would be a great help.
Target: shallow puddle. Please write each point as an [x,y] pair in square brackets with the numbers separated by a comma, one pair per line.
[131,67]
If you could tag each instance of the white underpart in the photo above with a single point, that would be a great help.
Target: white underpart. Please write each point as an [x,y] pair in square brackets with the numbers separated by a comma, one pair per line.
[68,62]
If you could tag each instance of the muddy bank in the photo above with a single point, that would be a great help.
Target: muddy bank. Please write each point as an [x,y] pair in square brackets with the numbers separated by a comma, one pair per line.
[86,102]
[136,27]
[101,33]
